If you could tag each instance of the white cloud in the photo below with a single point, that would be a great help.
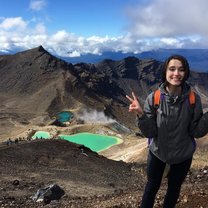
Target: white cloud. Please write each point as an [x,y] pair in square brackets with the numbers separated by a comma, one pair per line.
[13,23]
[74,54]
[40,28]
[16,34]
[63,43]
[158,24]
[60,37]
[37,5]
[166,18]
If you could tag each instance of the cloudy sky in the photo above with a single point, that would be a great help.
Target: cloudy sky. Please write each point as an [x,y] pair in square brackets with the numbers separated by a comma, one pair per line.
[75,27]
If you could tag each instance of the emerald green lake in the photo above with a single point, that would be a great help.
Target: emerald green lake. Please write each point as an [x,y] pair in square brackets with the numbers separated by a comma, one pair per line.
[41,134]
[95,142]
[64,116]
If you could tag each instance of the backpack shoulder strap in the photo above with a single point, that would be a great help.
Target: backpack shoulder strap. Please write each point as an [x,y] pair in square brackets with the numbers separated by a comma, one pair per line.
[157,94]
[192,97]
[156,102]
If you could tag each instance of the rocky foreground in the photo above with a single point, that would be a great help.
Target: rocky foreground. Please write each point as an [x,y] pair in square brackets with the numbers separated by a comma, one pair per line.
[87,178]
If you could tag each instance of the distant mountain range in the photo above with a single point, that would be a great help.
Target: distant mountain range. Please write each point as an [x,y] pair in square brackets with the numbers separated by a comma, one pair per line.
[198,58]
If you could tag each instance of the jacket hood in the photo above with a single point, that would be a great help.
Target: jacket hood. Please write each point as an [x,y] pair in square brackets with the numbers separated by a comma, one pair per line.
[185,91]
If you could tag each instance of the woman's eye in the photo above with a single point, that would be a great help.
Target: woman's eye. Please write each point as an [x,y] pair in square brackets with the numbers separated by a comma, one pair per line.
[172,68]
[181,69]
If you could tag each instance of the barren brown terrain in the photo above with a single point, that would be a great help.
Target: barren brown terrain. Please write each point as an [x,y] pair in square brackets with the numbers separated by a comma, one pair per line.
[35,86]
[111,178]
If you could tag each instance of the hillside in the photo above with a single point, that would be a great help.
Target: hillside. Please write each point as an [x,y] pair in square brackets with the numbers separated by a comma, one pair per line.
[87,178]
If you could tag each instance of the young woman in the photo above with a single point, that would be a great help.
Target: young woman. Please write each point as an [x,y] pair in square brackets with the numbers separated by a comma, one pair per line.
[173,125]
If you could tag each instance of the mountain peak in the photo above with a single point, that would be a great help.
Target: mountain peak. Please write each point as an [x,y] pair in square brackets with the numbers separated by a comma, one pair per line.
[33,51]
[41,49]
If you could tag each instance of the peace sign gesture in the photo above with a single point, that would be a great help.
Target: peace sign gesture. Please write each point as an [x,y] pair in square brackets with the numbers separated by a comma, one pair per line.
[135,105]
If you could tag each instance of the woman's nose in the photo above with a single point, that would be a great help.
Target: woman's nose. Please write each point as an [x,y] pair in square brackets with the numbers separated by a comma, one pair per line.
[176,72]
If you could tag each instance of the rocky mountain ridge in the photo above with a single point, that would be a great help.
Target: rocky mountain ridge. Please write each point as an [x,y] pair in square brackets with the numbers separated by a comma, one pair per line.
[36,84]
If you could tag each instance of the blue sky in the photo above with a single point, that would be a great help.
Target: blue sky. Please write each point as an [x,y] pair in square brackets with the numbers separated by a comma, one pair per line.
[75,27]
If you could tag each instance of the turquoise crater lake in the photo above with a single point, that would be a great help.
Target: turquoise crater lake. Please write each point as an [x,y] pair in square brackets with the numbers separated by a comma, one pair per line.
[64,116]
[41,135]
[96,142]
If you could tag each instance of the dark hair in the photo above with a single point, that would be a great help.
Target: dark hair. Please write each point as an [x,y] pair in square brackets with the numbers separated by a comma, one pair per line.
[184,63]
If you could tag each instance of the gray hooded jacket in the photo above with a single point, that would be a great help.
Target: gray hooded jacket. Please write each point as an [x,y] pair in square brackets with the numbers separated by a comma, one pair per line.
[173,126]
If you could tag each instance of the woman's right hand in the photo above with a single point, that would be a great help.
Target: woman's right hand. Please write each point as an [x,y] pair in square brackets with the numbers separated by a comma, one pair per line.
[135,105]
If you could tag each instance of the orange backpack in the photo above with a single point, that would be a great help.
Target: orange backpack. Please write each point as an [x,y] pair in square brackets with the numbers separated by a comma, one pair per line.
[157,94]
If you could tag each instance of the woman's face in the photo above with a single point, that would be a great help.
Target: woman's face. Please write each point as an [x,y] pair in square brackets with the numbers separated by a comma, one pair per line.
[175,72]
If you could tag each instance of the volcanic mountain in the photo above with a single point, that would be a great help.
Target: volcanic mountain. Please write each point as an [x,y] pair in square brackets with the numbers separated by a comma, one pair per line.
[35,85]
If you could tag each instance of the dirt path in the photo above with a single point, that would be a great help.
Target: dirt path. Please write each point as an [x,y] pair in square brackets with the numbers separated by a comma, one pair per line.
[131,153]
